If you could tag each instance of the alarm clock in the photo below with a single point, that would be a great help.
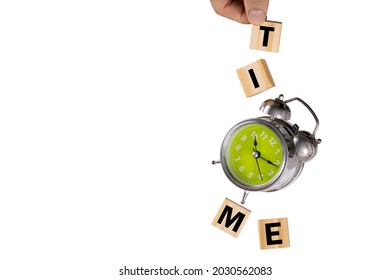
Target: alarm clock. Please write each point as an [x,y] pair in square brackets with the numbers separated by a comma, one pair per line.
[268,153]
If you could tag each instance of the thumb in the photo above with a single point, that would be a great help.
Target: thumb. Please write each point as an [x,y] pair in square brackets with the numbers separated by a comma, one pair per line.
[256,11]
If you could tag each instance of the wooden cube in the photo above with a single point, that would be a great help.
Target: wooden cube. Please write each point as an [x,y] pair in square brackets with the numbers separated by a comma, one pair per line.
[266,37]
[273,233]
[231,217]
[255,78]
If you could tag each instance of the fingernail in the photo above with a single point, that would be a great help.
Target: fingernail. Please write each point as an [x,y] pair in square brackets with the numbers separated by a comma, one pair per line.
[256,17]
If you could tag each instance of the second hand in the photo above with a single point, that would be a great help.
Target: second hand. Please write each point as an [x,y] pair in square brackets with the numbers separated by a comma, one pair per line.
[256,156]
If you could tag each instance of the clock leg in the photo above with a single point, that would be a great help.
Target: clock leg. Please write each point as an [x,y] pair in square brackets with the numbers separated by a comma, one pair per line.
[244,197]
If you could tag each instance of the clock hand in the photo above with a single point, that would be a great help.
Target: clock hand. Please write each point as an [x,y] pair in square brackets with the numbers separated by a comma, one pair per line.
[255,143]
[268,161]
[256,155]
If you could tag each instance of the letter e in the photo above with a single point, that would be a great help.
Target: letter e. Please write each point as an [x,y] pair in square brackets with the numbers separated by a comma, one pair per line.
[273,233]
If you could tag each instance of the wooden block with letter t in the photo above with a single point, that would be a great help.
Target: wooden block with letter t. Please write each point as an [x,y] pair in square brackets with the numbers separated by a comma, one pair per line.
[273,233]
[231,217]
[266,37]
[255,78]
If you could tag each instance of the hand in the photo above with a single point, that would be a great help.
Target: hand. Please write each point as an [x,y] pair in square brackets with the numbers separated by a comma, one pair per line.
[256,154]
[243,11]
[268,161]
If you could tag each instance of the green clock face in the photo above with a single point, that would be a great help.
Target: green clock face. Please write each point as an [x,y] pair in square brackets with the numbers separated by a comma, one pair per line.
[253,154]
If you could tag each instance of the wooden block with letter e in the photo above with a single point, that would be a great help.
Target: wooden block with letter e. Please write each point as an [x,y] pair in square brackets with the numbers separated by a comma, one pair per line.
[273,233]
[266,37]
[255,78]
[231,217]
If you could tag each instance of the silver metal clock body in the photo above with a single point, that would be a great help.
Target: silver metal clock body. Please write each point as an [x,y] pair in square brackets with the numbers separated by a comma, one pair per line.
[299,146]
[289,169]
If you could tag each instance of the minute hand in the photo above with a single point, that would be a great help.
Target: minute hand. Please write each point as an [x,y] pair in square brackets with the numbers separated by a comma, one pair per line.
[268,161]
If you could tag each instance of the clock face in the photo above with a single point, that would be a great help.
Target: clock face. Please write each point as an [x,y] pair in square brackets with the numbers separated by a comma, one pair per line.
[253,154]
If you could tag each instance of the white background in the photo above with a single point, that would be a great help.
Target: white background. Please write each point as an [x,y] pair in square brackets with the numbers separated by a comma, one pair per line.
[112,111]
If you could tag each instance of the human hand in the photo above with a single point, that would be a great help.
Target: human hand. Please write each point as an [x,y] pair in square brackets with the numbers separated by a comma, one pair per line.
[243,11]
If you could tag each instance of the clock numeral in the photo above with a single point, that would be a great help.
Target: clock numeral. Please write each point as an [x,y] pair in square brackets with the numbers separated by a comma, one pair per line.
[254,135]
[237,148]
[242,168]
[277,162]
[264,135]
[250,175]
[237,158]
[277,151]
[272,141]
[270,172]
[243,137]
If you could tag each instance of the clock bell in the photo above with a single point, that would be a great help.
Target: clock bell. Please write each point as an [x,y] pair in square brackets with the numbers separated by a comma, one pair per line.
[305,142]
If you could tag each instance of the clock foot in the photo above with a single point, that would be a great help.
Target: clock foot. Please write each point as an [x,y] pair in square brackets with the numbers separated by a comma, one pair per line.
[244,197]
[215,162]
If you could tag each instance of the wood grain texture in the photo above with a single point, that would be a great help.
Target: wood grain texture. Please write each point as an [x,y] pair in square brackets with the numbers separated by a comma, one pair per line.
[255,78]
[273,233]
[231,217]
[266,37]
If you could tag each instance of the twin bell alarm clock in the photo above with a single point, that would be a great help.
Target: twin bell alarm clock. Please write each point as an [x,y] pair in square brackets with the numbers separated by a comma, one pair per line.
[268,153]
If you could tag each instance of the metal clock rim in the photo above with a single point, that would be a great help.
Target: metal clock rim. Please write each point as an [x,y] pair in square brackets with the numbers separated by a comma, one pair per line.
[263,121]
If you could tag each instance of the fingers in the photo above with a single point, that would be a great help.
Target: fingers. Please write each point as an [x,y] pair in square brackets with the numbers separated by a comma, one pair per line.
[256,11]
[231,9]
[243,11]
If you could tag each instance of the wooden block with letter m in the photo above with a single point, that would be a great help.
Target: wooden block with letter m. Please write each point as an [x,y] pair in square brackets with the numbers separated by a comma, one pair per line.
[231,217]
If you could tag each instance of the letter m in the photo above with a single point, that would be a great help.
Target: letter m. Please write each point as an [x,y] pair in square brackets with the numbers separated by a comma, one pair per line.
[237,219]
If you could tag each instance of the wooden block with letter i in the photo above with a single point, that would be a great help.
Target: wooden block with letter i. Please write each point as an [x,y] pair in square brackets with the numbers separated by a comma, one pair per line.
[255,78]
[231,217]
[273,233]
[266,37]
